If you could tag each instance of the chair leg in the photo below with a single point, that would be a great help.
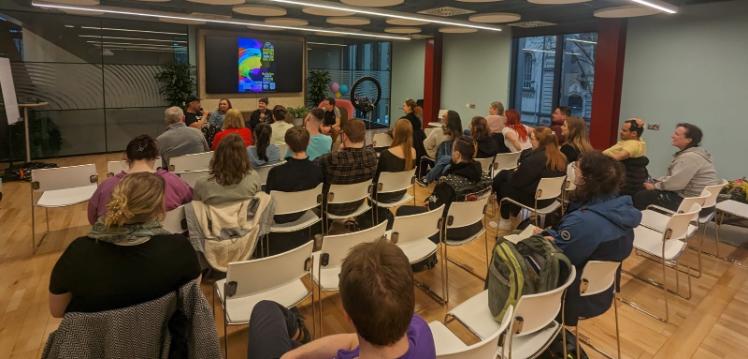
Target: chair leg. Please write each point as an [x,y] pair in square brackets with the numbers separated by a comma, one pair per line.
[445,275]
[618,334]
[225,336]
[664,288]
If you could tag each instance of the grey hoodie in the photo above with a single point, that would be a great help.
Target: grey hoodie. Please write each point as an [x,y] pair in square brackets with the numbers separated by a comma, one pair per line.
[691,170]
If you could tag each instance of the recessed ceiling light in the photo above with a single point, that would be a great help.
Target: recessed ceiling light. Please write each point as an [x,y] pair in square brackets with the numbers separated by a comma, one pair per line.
[326,12]
[404,22]
[495,17]
[402,30]
[456,30]
[625,11]
[260,10]
[659,5]
[348,20]
[373,3]
[286,21]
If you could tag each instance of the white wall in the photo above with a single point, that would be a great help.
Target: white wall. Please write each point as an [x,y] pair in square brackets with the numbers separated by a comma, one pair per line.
[408,60]
[476,70]
[691,67]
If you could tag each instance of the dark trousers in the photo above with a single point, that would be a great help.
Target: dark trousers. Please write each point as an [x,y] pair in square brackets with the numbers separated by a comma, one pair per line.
[270,331]
[504,189]
[666,199]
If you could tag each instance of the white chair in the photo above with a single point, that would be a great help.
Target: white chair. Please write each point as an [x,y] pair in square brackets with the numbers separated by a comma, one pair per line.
[263,171]
[449,346]
[549,188]
[598,277]
[115,167]
[381,140]
[295,202]
[173,220]
[277,278]
[732,208]
[329,259]
[192,177]
[348,193]
[411,233]
[60,187]
[486,163]
[190,163]
[390,182]
[666,247]
[711,202]
[282,150]
[505,161]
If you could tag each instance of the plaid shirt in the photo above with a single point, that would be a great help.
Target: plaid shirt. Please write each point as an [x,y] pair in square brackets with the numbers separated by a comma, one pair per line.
[349,165]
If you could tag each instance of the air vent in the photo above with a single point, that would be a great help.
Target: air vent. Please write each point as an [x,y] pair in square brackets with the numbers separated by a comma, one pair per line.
[531,24]
[446,11]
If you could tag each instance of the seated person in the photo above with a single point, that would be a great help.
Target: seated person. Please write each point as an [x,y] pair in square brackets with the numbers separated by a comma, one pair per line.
[409,107]
[353,163]
[233,123]
[436,137]
[690,171]
[484,141]
[319,144]
[282,121]
[631,151]
[261,115]
[178,139]
[545,160]
[193,113]
[444,153]
[331,118]
[377,292]
[399,157]
[141,155]
[495,117]
[215,118]
[264,152]
[558,117]
[599,225]
[127,258]
[231,176]
[516,135]
[574,131]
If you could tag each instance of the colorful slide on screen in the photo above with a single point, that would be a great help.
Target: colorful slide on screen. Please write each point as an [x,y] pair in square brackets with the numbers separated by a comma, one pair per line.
[256,65]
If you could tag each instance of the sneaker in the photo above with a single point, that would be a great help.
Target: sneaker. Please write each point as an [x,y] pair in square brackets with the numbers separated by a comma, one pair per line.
[505,224]
[422,182]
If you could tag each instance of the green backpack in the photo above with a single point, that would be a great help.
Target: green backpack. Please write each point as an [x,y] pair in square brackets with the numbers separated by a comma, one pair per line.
[534,265]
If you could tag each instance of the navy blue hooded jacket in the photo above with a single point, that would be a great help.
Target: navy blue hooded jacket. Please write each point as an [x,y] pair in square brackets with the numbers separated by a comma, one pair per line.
[602,229]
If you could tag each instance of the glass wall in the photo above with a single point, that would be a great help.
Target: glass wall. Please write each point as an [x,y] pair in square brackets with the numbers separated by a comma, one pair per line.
[97,76]
[551,71]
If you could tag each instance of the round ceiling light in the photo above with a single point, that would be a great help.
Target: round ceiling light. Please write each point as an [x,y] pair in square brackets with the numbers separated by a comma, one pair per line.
[373,3]
[495,17]
[625,11]
[556,2]
[218,2]
[286,21]
[260,10]
[326,12]
[456,30]
[77,2]
[405,22]
[348,20]
[402,30]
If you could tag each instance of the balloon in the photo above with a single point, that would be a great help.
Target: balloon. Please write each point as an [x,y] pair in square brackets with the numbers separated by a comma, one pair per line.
[344,89]
[337,94]
[334,87]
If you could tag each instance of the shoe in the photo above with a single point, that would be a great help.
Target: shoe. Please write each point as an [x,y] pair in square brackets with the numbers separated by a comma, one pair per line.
[422,182]
[505,224]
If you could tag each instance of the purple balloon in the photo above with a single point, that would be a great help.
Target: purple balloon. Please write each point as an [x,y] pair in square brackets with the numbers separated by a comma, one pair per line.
[334,87]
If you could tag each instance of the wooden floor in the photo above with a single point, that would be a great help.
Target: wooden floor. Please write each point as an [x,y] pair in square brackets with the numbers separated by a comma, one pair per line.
[712,324]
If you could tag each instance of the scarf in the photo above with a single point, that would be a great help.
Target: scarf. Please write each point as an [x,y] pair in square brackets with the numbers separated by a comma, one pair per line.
[128,234]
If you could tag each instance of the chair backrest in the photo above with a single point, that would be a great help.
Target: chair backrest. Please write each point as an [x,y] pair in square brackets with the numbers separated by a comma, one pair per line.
[48,179]
[347,193]
[115,167]
[465,213]
[282,149]
[484,349]
[486,163]
[264,171]
[382,139]
[417,226]
[191,162]
[597,277]
[688,202]
[395,181]
[535,311]
[192,177]
[336,247]
[294,202]
[550,188]
[258,275]
[712,192]
[506,161]
[173,220]
[677,225]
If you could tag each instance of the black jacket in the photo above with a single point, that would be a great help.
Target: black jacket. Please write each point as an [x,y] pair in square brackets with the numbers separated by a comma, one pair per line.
[636,174]
[487,147]
[531,169]
[418,134]
[465,175]
[254,119]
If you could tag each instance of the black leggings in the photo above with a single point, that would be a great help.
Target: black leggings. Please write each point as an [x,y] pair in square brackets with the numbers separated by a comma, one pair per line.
[271,327]
[666,199]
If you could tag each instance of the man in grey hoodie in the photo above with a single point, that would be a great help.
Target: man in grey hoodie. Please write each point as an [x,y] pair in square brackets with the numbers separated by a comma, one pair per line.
[690,171]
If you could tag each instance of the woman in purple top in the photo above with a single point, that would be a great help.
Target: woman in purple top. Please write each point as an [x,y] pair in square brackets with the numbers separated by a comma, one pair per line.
[141,153]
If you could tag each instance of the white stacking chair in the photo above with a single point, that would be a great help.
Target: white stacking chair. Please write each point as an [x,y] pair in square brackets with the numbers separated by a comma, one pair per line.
[191,163]
[264,171]
[449,346]
[296,202]
[329,259]
[60,187]
[712,193]
[729,207]
[174,220]
[569,185]
[381,140]
[548,188]
[598,277]
[115,167]
[282,150]
[277,278]
[411,233]
[348,193]
[486,163]
[505,161]
[191,178]
[390,182]
[666,247]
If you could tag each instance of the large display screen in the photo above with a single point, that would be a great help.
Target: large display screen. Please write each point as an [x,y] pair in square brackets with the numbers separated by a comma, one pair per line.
[253,64]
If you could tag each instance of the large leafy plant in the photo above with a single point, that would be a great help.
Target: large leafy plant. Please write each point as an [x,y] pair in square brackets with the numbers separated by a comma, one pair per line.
[318,80]
[176,83]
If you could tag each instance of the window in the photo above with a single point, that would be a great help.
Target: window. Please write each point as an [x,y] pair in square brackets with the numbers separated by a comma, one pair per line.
[551,71]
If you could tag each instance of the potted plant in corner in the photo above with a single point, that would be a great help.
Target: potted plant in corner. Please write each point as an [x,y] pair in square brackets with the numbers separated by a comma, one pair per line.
[298,114]
[176,83]
[318,80]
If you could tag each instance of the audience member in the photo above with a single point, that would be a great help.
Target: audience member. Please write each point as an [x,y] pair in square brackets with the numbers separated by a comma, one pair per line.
[690,171]
[631,145]
[233,123]
[319,144]
[436,137]
[558,117]
[263,152]
[409,107]
[378,296]
[545,160]
[193,113]
[231,176]
[419,109]
[178,139]
[261,115]
[127,258]
[141,155]
[353,163]
[215,118]
[496,117]
[331,118]
[282,121]
[516,135]
[453,130]
[574,131]
[399,157]
[485,143]
[599,225]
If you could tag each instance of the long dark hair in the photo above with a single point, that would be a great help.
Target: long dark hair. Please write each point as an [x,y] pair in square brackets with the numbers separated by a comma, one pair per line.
[602,176]
[454,124]
[262,140]
[230,162]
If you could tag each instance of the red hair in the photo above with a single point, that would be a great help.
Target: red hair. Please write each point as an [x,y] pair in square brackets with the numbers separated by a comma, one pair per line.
[513,121]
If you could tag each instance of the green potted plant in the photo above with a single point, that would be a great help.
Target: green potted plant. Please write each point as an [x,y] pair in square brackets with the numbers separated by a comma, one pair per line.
[318,80]
[176,83]
[298,114]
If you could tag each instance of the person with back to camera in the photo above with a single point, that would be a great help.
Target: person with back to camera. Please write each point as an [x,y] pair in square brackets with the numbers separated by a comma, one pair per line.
[485,143]
[319,143]
[495,117]
[231,175]
[263,152]
[516,135]
[178,139]
[282,121]
[453,129]
[409,107]
[233,124]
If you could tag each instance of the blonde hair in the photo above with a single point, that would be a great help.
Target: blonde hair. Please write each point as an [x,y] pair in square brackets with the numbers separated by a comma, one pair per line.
[138,198]
[547,142]
[233,119]
[403,136]
[577,137]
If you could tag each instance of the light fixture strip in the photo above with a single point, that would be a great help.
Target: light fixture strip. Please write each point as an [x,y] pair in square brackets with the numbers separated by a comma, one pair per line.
[659,5]
[389,14]
[121,11]
[130,43]
[326,44]
[129,38]
[132,30]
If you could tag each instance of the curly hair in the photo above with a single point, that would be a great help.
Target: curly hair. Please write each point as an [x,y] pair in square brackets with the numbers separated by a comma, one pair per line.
[601,176]
[230,162]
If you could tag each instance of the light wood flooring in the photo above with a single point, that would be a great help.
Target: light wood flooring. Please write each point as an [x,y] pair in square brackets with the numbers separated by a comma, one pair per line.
[712,324]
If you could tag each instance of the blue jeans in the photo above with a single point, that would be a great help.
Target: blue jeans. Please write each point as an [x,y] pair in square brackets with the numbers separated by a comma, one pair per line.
[441,166]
